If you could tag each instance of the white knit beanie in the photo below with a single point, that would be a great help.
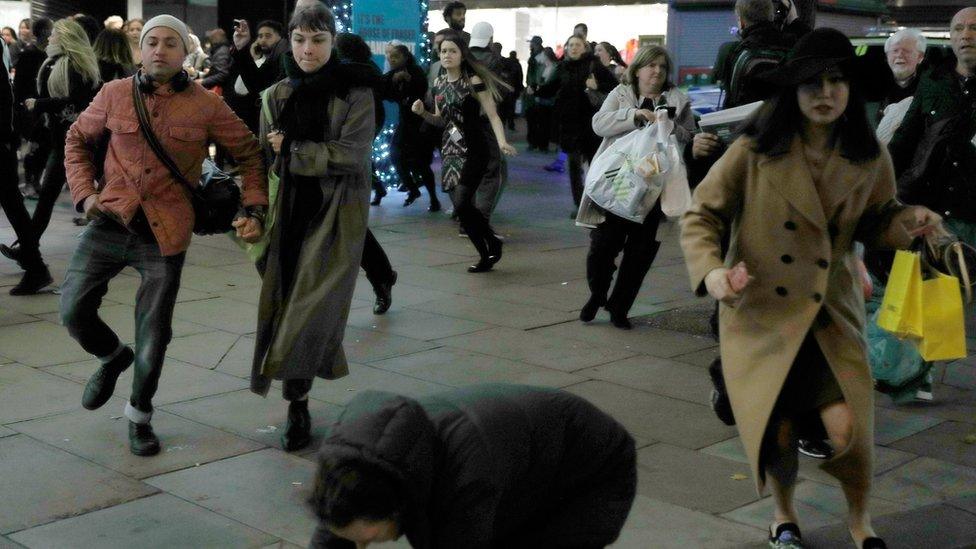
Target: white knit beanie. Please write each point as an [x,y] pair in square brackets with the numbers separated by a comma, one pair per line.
[169,22]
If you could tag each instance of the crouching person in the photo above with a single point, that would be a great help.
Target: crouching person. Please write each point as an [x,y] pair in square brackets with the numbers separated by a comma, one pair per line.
[142,215]
[482,466]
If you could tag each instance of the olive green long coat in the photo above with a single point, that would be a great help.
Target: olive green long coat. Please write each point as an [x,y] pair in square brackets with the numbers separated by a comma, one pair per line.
[800,252]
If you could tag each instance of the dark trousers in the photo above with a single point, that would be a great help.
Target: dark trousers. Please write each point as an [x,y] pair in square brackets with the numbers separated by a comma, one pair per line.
[414,169]
[12,203]
[538,123]
[639,245]
[104,249]
[374,261]
[52,183]
[35,160]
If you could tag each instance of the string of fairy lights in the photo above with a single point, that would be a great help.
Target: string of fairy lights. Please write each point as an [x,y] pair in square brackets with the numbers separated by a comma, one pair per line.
[383,166]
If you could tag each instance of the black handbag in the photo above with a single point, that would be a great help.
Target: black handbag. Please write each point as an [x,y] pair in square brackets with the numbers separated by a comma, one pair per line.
[216,200]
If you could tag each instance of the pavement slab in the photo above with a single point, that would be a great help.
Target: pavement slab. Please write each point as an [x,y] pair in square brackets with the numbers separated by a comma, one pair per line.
[702,359]
[413,323]
[100,437]
[653,418]
[4,432]
[221,313]
[930,526]
[951,441]
[31,305]
[160,521]
[362,378]
[68,486]
[27,393]
[179,381]
[495,312]
[950,403]
[891,425]
[567,355]
[22,343]
[9,317]
[121,318]
[265,490]
[217,279]
[693,480]
[204,350]
[248,415]
[122,289]
[368,346]
[238,359]
[651,341]
[659,376]
[7,543]
[961,374]
[658,524]
[457,367]
[926,481]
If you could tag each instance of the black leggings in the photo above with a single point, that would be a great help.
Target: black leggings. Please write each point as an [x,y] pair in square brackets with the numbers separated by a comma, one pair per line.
[52,183]
[473,221]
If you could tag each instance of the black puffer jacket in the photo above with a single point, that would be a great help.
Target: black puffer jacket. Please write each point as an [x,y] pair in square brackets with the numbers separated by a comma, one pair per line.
[480,462]
[574,110]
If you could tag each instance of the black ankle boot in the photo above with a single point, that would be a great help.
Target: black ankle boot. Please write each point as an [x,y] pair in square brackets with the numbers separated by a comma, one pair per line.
[142,439]
[620,320]
[589,310]
[494,249]
[11,252]
[33,281]
[298,428]
[384,295]
[101,384]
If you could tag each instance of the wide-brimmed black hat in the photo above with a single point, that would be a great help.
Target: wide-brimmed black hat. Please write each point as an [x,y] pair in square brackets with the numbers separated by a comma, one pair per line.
[816,52]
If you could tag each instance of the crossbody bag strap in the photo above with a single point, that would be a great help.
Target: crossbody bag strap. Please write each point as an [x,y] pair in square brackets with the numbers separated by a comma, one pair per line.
[154,143]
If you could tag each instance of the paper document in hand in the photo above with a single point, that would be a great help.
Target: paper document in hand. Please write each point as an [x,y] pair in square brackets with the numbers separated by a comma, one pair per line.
[725,124]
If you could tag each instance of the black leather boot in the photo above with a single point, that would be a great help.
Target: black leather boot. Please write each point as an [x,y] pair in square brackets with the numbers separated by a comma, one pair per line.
[298,428]
[142,439]
[101,384]
[384,295]
[33,281]
[588,312]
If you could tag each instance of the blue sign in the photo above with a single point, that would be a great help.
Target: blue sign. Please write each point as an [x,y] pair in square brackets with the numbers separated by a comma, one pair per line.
[380,22]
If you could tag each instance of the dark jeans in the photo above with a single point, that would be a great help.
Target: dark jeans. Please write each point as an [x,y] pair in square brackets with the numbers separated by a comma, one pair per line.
[12,203]
[374,261]
[538,121]
[52,183]
[639,244]
[105,249]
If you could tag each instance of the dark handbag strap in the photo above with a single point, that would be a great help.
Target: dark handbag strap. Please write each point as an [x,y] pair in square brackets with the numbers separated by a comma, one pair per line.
[154,143]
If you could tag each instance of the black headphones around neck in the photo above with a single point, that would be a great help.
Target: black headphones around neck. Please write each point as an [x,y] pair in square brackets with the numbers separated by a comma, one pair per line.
[179,82]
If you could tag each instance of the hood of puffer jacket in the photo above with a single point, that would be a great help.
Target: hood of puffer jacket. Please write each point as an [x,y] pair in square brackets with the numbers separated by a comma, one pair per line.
[393,433]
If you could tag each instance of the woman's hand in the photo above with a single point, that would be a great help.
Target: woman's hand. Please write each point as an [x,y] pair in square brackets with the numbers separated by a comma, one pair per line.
[645,115]
[508,150]
[418,108]
[591,83]
[726,285]
[275,139]
[242,35]
[924,222]
[248,229]
[29,104]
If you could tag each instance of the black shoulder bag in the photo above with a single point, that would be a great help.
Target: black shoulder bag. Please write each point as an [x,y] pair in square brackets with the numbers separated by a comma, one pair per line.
[216,201]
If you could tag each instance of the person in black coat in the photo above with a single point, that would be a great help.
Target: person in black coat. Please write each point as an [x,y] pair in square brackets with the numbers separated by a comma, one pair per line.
[481,466]
[28,126]
[404,84]
[575,108]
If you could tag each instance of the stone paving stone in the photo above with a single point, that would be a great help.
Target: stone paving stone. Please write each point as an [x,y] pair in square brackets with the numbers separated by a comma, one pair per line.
[67,485]
[361,378]
[891,425]
[122,290]
[651,341]
[527,346]
[121,318]
[651,418]
[657,375]
[816,505]
[178,382]
[404,295]
[204,350]
[966,503]
[692,479]
[98,437]
[219,279]
[7,543]
[561,299]
[160,521]
[26,393]
[926,481]
[282,544]
[400,255]
[950,403]
[496,312]
[946,442]
[457,367]
[702,359]
[413,324]
[258,489]
[21,343]
[460,282]
[4,432]
[207,255]
[657,524]
[931,526]
[961,374]
[229,315]
[30,305]
[248,415]
[237,361]
[9,317]
[367,346]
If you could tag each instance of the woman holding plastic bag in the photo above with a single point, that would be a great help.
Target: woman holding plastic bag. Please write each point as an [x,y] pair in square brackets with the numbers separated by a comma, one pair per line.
[794,193]
[630,106]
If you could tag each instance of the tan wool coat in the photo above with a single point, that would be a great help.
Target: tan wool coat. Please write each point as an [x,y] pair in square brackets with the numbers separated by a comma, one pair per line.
[800,252]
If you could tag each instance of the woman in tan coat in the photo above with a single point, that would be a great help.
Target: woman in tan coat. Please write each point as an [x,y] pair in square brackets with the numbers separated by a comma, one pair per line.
[807,180]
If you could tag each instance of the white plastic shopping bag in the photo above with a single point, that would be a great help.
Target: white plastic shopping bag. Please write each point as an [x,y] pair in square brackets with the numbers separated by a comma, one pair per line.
[676,194]
[615,182]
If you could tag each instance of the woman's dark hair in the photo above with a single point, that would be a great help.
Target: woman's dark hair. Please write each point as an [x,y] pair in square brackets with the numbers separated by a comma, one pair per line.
[644,57]
[90,24]
[42,28]
[349,490]
[614,54]
[550,54]
[112,45]
[775,124]
[470,66]
[352,47]
[407,55]
[316,17]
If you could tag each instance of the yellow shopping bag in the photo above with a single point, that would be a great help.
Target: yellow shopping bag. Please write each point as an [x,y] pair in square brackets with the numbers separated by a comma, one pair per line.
[901,308]
[943,326]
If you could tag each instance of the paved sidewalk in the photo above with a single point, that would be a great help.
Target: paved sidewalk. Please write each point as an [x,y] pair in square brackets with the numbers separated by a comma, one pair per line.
[68,480]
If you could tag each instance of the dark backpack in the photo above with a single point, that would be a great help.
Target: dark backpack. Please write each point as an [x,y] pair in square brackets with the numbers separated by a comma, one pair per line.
[744,87]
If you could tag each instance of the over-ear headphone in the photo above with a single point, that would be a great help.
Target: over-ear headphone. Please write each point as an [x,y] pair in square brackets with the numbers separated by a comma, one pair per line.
[179,82]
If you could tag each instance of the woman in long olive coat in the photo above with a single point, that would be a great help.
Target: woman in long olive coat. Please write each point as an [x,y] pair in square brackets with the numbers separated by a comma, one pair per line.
[794,193]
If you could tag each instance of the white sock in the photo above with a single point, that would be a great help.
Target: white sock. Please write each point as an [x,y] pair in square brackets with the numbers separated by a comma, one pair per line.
[136,415]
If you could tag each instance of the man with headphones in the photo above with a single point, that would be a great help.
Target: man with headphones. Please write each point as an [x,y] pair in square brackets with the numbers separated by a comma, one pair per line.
[141,212]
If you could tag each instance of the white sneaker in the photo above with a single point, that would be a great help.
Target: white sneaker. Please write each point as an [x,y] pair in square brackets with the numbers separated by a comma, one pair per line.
[924,395]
